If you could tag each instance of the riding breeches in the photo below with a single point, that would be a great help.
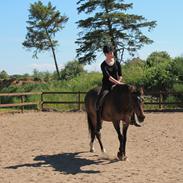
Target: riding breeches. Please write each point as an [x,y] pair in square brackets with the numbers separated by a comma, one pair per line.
[100,98]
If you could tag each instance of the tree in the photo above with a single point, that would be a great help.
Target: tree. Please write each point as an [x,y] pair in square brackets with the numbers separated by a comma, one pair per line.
[71,70]
[44,22]
[158,71]
[177,68]
[4,75]
[110,24]
[156,58]
[133,71]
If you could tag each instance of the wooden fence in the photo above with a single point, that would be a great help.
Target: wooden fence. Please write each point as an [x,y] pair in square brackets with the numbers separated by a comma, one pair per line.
[160,99]
[156,99]
[79,102]
[21,102]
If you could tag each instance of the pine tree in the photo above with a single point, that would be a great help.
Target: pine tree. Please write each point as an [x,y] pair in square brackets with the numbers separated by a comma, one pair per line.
[108,23]
[44,22]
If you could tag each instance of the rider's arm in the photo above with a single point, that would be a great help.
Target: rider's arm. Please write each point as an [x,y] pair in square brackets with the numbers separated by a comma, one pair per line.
[107,75]
[120,78]
[113,80]
[119,72]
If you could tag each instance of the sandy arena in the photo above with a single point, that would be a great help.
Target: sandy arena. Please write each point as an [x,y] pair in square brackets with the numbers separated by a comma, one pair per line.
[54,148]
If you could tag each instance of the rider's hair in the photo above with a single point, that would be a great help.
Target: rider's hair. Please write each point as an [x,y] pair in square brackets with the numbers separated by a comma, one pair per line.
[107,49]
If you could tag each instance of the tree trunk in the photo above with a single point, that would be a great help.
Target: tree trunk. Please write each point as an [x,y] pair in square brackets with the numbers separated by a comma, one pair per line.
[111,34]
[122,54]
[55,60]
[54,55]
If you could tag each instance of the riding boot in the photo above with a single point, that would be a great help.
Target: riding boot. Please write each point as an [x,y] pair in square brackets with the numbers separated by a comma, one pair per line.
[132,120]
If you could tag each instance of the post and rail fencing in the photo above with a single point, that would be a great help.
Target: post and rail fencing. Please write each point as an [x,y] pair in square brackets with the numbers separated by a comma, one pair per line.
[21,103]
[163,101]
[78,100]
[154,101]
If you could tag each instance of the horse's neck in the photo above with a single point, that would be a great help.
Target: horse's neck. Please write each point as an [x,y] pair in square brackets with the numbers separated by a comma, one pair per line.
[119,100]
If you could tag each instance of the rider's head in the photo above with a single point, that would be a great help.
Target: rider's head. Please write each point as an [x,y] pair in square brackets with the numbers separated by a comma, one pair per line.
[108,51]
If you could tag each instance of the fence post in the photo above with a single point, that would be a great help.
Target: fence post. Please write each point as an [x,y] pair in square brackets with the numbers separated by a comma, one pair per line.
[22,101]
[42,101]
[79,101]
[160,100]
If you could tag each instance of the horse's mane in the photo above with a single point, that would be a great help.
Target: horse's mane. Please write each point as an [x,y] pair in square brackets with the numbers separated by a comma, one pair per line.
[127,88]
[124,87]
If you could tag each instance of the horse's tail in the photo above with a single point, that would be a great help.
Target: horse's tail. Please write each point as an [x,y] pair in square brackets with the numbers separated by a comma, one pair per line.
[90,124]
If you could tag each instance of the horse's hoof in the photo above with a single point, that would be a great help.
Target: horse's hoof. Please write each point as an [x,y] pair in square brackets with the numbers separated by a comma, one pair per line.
[137,124]
[121,157]
[103,151]
[125,158]
[92,150]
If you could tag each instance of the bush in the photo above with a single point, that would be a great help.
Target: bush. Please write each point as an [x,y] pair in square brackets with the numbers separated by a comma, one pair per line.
[133,72]
[71,70]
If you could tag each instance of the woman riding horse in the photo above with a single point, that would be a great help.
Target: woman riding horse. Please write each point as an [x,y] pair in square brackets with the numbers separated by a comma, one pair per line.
[118,105]
[112,75]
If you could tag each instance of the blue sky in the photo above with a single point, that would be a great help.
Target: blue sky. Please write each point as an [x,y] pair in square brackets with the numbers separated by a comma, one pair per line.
[14,59]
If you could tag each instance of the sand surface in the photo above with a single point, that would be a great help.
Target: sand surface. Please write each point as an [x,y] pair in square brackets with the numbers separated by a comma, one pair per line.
[50,147]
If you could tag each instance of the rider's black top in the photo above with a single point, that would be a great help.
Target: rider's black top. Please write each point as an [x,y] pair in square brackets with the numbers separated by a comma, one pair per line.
[107,70]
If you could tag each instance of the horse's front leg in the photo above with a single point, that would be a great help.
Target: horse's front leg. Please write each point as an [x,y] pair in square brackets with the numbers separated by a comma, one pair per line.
[125,129]
[121,153]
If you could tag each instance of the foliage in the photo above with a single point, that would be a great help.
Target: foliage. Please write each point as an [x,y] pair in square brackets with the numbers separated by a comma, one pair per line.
[156,58]
[4,75]
[178,87]
[177,68]
[44,22]
[133,72]
[42,76]
[158,75]
[110,24]
[71,70]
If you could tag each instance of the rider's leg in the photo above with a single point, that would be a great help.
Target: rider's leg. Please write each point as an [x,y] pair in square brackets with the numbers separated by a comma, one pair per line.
[99,104]
[98,111]
[132,121]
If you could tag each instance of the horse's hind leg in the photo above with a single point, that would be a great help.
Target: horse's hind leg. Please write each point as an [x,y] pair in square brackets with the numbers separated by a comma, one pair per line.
[91,128]
[92,149]
[93,133]
[98,135]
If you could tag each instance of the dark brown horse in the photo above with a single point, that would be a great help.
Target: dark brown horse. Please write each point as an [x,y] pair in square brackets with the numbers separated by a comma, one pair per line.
[118,105]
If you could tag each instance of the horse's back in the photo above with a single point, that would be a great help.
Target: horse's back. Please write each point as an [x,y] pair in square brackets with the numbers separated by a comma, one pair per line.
[91,96]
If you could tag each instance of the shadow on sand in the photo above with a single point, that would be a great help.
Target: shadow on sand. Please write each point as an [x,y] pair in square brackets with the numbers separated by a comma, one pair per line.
[66,163]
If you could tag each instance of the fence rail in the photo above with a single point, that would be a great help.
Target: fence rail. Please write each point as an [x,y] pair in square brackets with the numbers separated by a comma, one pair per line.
[22,102]
[151,98]
[79,102]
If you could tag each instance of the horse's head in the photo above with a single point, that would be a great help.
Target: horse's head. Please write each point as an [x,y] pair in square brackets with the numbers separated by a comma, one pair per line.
[138,103]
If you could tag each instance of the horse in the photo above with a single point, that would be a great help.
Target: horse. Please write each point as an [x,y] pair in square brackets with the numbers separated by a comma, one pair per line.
[118,105]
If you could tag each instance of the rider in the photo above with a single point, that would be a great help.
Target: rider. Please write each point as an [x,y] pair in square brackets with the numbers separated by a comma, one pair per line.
[112,75]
